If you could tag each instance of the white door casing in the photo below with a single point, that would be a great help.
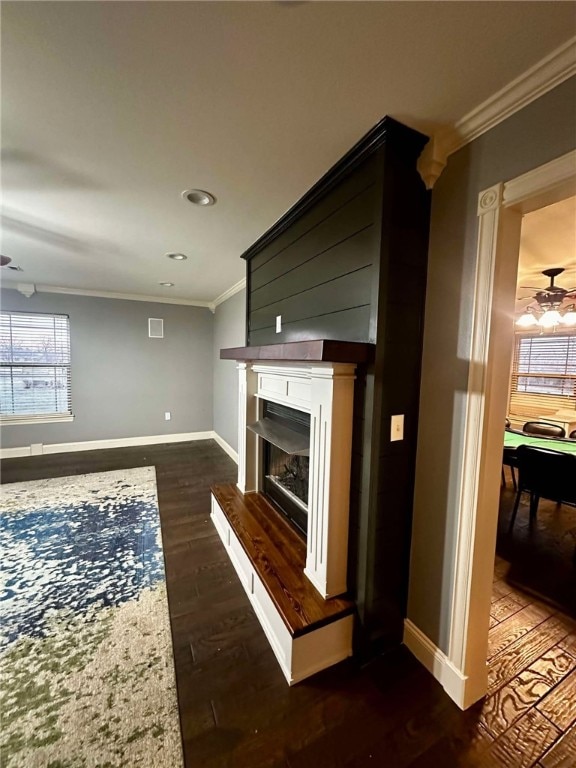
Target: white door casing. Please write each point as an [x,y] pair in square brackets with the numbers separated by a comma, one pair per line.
[500,211]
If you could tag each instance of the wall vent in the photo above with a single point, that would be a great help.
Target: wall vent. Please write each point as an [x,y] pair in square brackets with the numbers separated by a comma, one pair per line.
[155,328]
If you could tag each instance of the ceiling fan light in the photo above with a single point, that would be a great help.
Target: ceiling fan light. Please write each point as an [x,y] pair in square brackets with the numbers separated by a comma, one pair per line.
[550,318]
[569,317]
[528,320]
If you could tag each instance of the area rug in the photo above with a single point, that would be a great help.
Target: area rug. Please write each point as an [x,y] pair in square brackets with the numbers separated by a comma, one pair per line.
[87,673]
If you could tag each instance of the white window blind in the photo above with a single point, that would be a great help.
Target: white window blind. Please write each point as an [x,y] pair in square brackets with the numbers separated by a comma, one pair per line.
[544,372]
[34,365]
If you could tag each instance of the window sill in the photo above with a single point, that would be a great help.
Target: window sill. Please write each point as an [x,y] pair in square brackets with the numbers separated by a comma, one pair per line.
[52,418]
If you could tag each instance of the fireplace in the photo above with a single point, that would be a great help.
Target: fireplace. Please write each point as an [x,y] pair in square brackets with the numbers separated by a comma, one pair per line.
[285,460]
[304,409]
[294,457]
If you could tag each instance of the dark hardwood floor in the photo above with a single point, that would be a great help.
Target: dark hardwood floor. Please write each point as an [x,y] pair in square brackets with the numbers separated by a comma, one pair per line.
[235,707]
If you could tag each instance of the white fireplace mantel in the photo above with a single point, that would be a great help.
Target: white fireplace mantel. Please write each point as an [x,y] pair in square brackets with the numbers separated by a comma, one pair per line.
[325,390]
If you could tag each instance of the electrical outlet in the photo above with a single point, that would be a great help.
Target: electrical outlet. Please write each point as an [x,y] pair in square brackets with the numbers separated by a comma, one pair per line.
[278,323]
[397,427]
[167,416]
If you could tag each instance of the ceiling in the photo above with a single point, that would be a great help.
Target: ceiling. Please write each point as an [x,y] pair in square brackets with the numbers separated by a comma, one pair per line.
[547,239]
[111,109]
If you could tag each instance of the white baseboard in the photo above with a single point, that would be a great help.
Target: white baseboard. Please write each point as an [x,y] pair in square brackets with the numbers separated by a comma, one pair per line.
[14,453]
[460,687]
[93,445]
[225,446]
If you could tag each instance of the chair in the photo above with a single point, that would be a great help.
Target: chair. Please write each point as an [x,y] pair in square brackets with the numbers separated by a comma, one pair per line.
[544,474]
[509,460]
[543,428]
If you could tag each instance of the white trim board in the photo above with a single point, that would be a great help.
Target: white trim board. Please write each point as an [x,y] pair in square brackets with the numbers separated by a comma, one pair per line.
[225,446]
[211,305]
[545,75]
[110,295]
[38,449]
[536,81]
[236,288]
[441,668]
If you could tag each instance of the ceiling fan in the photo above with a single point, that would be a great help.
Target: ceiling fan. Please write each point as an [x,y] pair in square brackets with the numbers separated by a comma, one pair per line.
[553,295]
[549,300]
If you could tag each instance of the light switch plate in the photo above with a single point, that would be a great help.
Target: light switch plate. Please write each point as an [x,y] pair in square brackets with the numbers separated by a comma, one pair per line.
[167,416]
[278,323]
[397,428]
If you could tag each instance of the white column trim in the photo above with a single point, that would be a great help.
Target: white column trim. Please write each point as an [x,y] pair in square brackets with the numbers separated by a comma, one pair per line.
[247,441]
[332,398]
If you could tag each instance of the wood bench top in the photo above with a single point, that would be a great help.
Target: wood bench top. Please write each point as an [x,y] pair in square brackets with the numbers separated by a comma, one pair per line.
[278,556]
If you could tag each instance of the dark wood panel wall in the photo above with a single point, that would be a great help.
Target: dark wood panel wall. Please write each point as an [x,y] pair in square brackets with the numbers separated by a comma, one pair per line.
[348,262]
[318,274]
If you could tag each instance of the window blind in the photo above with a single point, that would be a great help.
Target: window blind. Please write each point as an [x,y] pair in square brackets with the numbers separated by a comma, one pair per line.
[34,365]
[544,373]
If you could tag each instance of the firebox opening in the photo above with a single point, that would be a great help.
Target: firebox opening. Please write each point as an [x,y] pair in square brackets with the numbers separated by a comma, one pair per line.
[286,469]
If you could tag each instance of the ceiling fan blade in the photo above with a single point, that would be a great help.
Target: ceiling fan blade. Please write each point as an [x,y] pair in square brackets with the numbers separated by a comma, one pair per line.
[534,288]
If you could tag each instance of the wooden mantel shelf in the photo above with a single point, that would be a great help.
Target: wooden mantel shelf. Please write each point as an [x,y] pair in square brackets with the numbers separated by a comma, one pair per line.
[316,350]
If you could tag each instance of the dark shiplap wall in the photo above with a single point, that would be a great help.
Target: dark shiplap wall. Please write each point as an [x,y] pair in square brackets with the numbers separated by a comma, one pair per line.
[352,266]
[318,274]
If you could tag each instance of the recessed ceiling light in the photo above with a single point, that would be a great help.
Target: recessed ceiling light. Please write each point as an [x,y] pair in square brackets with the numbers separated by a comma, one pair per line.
[5,262]
[166,285]
[198,197]
[177,256]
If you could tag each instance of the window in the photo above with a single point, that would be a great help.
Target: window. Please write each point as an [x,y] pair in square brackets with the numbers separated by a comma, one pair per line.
[546,366]
[34,367]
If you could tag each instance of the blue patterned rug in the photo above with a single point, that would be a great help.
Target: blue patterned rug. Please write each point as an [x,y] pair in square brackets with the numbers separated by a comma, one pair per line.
[85,652]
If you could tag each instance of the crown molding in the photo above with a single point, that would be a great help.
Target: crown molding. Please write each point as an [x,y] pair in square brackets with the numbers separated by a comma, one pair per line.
[548,73]
[108,295]
[236,288]
[407,142]
[211,305]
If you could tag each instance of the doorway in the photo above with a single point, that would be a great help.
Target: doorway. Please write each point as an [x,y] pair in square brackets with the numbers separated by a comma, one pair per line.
[539,549]
[500,212]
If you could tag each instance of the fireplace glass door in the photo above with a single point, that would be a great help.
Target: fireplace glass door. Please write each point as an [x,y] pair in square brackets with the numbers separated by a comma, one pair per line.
[286,461]
[286,482]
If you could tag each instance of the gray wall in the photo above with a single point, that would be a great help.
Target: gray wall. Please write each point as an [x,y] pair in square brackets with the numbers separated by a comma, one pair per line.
[539,133]
[122,381]
[229,331]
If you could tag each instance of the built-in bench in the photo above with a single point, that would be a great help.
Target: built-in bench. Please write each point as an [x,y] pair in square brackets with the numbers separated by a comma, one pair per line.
[306,632]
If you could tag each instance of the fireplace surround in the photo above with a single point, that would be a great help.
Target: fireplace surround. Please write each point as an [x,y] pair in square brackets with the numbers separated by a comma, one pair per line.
[317,394]
[325,391]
